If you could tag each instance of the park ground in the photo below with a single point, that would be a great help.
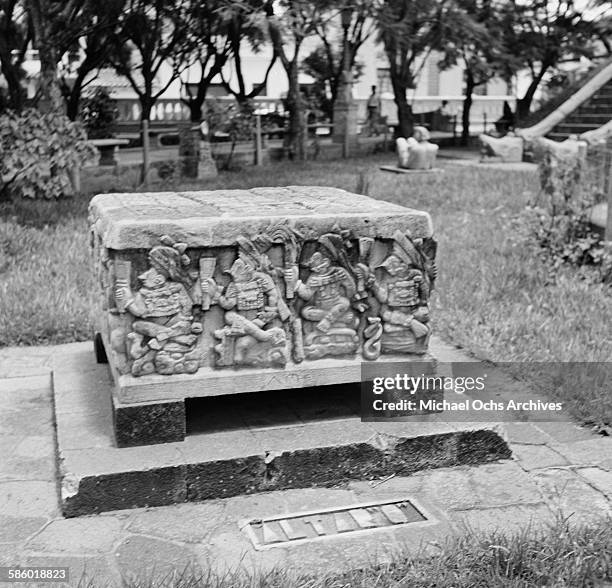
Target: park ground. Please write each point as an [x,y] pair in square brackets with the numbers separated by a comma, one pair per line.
[496,298]
[538,519]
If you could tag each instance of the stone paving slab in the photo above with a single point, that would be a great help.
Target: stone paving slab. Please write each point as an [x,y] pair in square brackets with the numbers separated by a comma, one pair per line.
[84,570]
[594,451]
[597,478]
[526,490]
[504,519]
[87,535]
[526,434]
[25,362]
[535,457]
[461,488]
[568,493]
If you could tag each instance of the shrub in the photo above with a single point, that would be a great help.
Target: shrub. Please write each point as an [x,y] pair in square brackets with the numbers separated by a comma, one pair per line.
[39,154]
[558,221]
[235,122]
[166,170]
[99,114]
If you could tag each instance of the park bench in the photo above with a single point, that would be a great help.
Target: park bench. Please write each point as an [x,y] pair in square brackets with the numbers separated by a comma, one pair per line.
[108,149]
[132,138]
[235,291]
[156,134]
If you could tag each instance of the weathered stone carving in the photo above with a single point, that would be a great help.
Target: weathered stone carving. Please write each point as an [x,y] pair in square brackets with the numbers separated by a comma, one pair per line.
[402,292]
[341,304]
[508,149]
[416,152]
[253,304]
[245,288]
[329,320]
[275,295]
[164,333]
[291,240]
[572,150]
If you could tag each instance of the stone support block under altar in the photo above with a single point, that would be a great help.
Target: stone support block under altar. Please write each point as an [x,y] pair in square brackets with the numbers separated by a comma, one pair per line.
[232,291]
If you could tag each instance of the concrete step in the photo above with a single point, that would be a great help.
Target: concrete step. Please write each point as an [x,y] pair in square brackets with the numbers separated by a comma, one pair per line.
[571,131]
[576,128]
[589,117]
[595,109]
[601,100]
[250,443]
[271,440]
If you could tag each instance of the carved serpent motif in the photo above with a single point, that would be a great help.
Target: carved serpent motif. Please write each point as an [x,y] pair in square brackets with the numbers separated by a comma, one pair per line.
[372,334]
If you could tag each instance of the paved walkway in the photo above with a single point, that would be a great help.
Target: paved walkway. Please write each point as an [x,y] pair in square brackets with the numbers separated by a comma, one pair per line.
[556,467]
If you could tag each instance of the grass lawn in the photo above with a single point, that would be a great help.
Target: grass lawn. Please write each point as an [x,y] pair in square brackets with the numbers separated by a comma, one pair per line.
[556,557]
[494,298]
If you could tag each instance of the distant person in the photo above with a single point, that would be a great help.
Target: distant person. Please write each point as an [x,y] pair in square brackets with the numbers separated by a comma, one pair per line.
[445,109]
[374,106]
[443,117]
[507,121]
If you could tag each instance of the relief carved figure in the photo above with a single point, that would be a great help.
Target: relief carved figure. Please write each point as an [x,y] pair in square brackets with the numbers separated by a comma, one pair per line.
[344,303]
[164,333]
[252,304]
[402,292]
[330,322]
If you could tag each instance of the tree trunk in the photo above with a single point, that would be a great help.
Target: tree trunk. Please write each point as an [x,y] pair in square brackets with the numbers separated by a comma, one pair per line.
[405,118]
[523,105]
[146,105]
[72,104]
[10,67]
[73,98]
[195,111]
[467,106]
[50,94]
[294,137]
[16,93]
[196,103]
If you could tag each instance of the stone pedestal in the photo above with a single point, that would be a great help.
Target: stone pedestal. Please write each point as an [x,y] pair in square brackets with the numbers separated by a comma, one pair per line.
[108,150]
[224,292]
[195,158]
[508,149]
[345,122]
[207,168]
[571,150]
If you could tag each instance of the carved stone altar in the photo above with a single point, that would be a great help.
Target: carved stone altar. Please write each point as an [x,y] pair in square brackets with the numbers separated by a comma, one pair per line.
[211,293]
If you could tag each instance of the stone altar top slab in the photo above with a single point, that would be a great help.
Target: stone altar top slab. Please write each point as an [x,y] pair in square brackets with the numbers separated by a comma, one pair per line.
[216,218]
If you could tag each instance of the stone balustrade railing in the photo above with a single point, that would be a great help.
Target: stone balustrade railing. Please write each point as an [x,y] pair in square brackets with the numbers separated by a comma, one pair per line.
[484,108]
